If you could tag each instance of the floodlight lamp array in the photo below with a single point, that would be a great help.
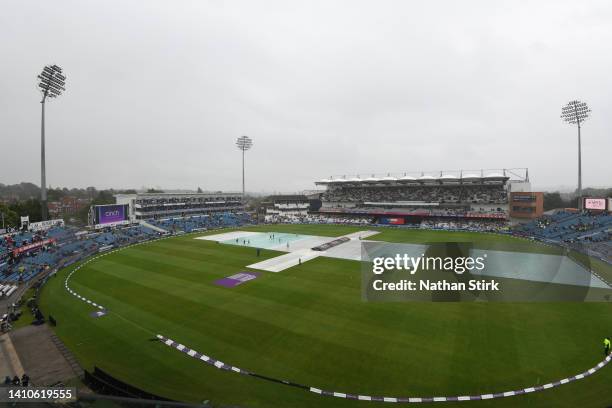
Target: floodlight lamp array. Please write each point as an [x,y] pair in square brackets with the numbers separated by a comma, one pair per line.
[575,112]
[244,143]
[51,81]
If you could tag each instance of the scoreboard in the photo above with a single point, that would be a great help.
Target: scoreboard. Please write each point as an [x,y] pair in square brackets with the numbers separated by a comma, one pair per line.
[597,204]
[110,215]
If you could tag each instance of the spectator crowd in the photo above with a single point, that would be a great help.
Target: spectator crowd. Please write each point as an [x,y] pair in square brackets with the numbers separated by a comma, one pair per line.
[469,194]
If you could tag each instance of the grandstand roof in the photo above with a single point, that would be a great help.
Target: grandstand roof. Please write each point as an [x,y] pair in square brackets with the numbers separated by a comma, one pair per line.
[517,174]
[167,195]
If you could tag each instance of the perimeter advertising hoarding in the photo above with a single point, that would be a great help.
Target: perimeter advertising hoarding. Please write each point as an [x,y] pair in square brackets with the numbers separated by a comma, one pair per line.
[45,225]
[392,221]
[595,204]
[111,214]
[35,245]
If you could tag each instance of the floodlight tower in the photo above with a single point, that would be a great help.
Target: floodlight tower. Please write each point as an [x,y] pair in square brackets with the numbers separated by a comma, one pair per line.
[576,112]
[243,143]
[51,85]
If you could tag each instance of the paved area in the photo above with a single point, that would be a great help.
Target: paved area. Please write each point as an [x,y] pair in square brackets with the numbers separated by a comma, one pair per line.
[43,357]
[10,365]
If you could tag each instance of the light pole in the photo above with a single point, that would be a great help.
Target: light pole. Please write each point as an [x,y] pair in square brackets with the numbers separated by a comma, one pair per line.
[576,112]
[243,143]
[51,85]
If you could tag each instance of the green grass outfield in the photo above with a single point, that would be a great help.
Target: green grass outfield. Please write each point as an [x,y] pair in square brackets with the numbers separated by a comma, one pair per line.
[308,324]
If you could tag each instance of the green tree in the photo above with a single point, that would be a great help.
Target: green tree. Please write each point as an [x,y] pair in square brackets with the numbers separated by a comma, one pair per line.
[11,218]
[554,200]
[55,194]
[29,207]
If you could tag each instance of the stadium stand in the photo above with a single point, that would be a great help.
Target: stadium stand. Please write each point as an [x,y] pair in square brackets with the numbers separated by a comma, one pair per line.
[433,223]
[319,219]
[168,205]
[26,255]
[460,200]
[483,194]
[201,222]
[584,231]
[565,226]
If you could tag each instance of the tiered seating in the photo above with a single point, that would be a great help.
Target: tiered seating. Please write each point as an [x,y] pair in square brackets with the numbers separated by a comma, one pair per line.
[481,194]
[604,249]
[105,238]
[569,227]
[61,234]
[70,246]
[189,224]
[588,232]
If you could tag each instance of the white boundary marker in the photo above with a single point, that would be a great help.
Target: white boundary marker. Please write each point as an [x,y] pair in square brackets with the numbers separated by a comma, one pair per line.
[220,365]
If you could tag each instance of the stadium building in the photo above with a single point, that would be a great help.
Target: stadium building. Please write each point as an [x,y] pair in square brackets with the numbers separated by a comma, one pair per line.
[143,206]
[406,198]
[526,204]
[289,205]
[284,205]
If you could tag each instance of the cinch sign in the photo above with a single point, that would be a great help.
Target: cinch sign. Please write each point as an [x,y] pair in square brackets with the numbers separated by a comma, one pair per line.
[108,214]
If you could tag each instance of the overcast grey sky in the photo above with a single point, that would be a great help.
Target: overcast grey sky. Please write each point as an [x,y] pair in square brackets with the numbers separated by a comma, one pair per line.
[158,91]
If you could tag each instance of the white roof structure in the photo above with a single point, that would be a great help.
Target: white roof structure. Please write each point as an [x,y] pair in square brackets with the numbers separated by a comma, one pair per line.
[441,177]
[495,176]
[389,178]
